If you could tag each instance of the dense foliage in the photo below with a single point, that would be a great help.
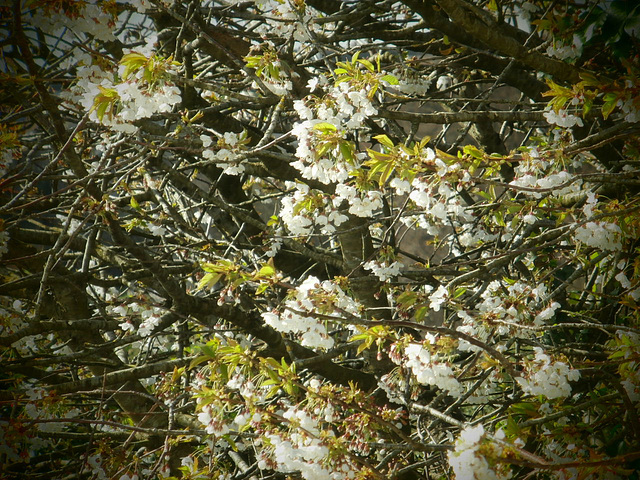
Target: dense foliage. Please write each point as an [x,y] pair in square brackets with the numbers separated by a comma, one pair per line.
[320,239]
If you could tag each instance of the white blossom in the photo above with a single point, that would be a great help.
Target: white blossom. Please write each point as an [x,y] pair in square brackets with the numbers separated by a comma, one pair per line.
[444,82]
[383,270]
[466,460]
[546,377]
[602,235]
[562,118]
[430,370]
[297,315]
[437,298]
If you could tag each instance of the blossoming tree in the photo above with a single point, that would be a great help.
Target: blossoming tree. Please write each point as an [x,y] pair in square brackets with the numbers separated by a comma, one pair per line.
[320,239]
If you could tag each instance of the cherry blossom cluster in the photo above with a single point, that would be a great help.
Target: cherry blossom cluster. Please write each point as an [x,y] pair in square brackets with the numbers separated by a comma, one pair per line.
[469,457]
[39,406]
[304,448]
[625,346]
[14,316]
[88,19]
[600,234]
[343,109]
[305,209]
[146,317]
[443,207]
[566,51]
[547,377]
[557,184]
[632,286]
[505,306]
[562,118]
[298,314]
[361,204]
[227,155]
[287,19]
[383,269]
[428,367]
[116,101]
[630,105]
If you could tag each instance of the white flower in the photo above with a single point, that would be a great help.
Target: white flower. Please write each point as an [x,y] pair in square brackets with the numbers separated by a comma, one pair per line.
[120,310]
[466,460]
[438,297]
[624,281]
[413,86]
[141,5]
[231,138]
[304,112]
[127,326]
[383,270]
[313,83]
[444,82]
[562,118]
[546,314]
[298,313]
[156,229]
[206,140]
[590,204]
[365,206]
[428,370]
[566,52]
[548,378]
[148,325]
[402,187]
[602,235]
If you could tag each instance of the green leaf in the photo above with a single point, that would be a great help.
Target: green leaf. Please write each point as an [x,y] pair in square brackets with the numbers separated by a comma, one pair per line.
[209,280]
[378,167]
[459,292]
[475,152]
[589,79]
[198,360]
[423,143]
[267,271]
[101,109]
[390,79]
[369,66]
[105,101]
[384,140]
[421,312]
[377,156]
[325,127]
[345,150]
[209,267]
[386,173]
[407,299]
[208,351]
[324,148]
[608,107]
[363,346]
[134,203]
[132,63]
